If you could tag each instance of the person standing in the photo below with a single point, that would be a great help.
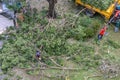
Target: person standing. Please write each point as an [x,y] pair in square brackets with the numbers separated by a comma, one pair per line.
[15,19]
[117,26]
[102,32]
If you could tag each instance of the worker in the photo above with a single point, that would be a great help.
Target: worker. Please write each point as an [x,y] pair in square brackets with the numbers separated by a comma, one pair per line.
[117,15]
[117,26]
[102,32]
[15,19]
[19,5]
[38,55]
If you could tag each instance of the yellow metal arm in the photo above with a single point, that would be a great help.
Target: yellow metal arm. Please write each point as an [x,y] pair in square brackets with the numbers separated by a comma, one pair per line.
[107,13]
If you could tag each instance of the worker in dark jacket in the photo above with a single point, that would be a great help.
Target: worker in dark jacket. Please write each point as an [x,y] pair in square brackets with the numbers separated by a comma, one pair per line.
[38,55]
[102,32]
[117,26]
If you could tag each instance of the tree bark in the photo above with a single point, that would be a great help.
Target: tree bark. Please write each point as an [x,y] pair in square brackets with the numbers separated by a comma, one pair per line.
[51,11]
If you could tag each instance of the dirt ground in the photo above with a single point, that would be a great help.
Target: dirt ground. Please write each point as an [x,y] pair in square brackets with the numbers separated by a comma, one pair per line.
[39,4]
[63,6]
[20,74]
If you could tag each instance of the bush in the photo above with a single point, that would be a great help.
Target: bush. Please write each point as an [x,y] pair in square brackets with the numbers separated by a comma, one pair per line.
[92,29]
[89,32]
[84,28]
[76,33]
[85,21]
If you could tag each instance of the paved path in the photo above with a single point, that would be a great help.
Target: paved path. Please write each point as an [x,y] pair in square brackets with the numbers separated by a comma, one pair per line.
[4,23]
[2,76]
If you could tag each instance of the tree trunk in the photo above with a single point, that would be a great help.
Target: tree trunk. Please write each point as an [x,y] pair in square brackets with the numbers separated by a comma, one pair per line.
[51,12]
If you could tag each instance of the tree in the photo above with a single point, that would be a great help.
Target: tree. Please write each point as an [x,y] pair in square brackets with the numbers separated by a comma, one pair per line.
[51,12]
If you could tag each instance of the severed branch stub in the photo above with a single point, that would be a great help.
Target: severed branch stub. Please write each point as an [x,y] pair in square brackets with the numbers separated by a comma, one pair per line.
[55,62]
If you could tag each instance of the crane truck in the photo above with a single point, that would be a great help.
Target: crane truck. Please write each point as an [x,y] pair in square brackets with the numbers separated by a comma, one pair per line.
[92,9]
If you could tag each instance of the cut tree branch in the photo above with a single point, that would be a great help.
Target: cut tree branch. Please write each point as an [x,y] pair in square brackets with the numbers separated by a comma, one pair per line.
[55,62]
[56,68]
[86,78]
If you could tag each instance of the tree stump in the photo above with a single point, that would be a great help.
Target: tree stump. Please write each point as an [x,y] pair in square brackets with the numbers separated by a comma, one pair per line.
[51,11]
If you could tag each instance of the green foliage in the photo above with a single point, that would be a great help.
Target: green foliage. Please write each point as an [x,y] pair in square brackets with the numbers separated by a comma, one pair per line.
[91,26]
[84,28]
[30,72]
[73,48]
[19,77]
[6,78]
[85,21]
[15,5]
[53,44]
[101,4]
[89,32]
[76,33]
[86,57]
[35,18]
[20,48]
[21,45]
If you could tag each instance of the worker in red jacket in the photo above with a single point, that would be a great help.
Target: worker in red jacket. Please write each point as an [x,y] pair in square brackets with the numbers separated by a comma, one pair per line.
[102,32]
[117,13]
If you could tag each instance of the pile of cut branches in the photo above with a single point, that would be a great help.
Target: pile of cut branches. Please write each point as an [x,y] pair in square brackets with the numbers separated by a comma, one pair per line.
[101,4]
